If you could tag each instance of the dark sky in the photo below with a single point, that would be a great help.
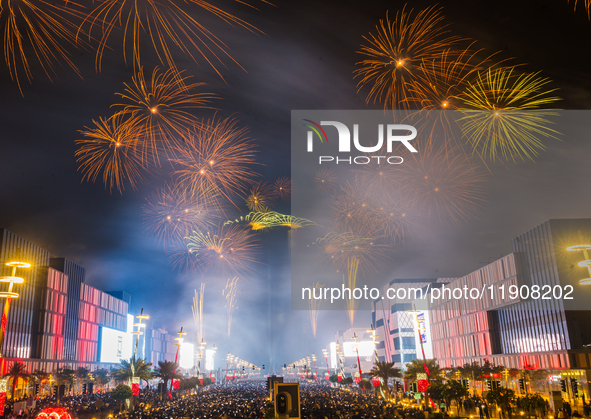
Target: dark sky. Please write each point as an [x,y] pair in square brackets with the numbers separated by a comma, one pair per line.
[304,60]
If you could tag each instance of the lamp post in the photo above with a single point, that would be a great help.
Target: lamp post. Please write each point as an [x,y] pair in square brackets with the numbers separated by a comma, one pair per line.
[135,381]
[340,355]
[325,353]
[357,350]
[9,295]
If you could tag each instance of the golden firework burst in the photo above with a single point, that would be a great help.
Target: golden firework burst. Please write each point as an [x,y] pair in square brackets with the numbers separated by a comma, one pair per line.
[218,157]
[504,116]
[163,106]
[109,148]
[395,52]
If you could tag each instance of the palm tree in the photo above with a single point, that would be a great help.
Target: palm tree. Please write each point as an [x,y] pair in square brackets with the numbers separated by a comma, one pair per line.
[167,371]
[385,370]
[417,367]
[16,371]
[41,378]
[83,376]
[65,376]
[141,369]
[102,377]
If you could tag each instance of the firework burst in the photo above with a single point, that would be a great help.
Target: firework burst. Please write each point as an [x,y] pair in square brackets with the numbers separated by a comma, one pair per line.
[172,215]
[364,212]
[443,79]
[393,54]
[109,148]
[325,180]
[340,247]
[182,258]
[260,197]
[282,187]
[39,29]
[449,187]
[217,158]
[230,293]
[164,24]
[503,116]
[230,249]
[271,219]
[376,177]
[162,107]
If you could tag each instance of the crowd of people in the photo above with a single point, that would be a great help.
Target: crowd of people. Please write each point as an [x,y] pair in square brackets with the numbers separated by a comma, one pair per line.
[246,400]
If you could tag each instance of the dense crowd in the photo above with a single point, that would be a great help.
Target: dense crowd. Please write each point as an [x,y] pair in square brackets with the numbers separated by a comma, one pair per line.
[248,400]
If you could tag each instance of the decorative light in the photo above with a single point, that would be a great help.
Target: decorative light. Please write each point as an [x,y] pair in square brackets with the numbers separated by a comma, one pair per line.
[584,263]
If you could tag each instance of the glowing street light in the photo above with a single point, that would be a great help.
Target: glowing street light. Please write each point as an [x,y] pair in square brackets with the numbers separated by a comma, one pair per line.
[325,353]
[584,263]
[139,332]
[9,295]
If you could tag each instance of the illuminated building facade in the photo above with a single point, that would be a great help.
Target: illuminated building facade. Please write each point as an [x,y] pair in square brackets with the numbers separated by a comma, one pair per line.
[159,345]
[18,342]
[348,346]
[524,332]
[58,319]
[396,326]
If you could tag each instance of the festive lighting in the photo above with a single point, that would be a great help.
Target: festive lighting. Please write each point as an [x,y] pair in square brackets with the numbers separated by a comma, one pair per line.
[585,263]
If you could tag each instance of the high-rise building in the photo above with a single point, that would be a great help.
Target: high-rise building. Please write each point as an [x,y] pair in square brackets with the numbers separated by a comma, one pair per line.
[396,324]
[58,320]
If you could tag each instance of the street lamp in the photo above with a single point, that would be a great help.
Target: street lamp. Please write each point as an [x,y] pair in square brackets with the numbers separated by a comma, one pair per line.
[372,330]
[9,295]
[135,381]
[325,353]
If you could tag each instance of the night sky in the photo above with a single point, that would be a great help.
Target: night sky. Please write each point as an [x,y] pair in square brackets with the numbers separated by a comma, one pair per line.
[303,58]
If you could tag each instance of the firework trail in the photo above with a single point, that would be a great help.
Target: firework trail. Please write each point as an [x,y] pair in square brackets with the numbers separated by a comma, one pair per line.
[394,53]
[315,306]
[38,30]
[198,311]
[230,293]
[352,265]
[163,24]
[217,158]
[109,149]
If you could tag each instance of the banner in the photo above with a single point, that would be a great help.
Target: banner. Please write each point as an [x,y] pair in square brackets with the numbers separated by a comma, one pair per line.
[135,386]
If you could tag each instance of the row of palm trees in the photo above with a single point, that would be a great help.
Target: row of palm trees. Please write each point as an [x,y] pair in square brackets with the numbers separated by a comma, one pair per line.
[473,371]
[76,379]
